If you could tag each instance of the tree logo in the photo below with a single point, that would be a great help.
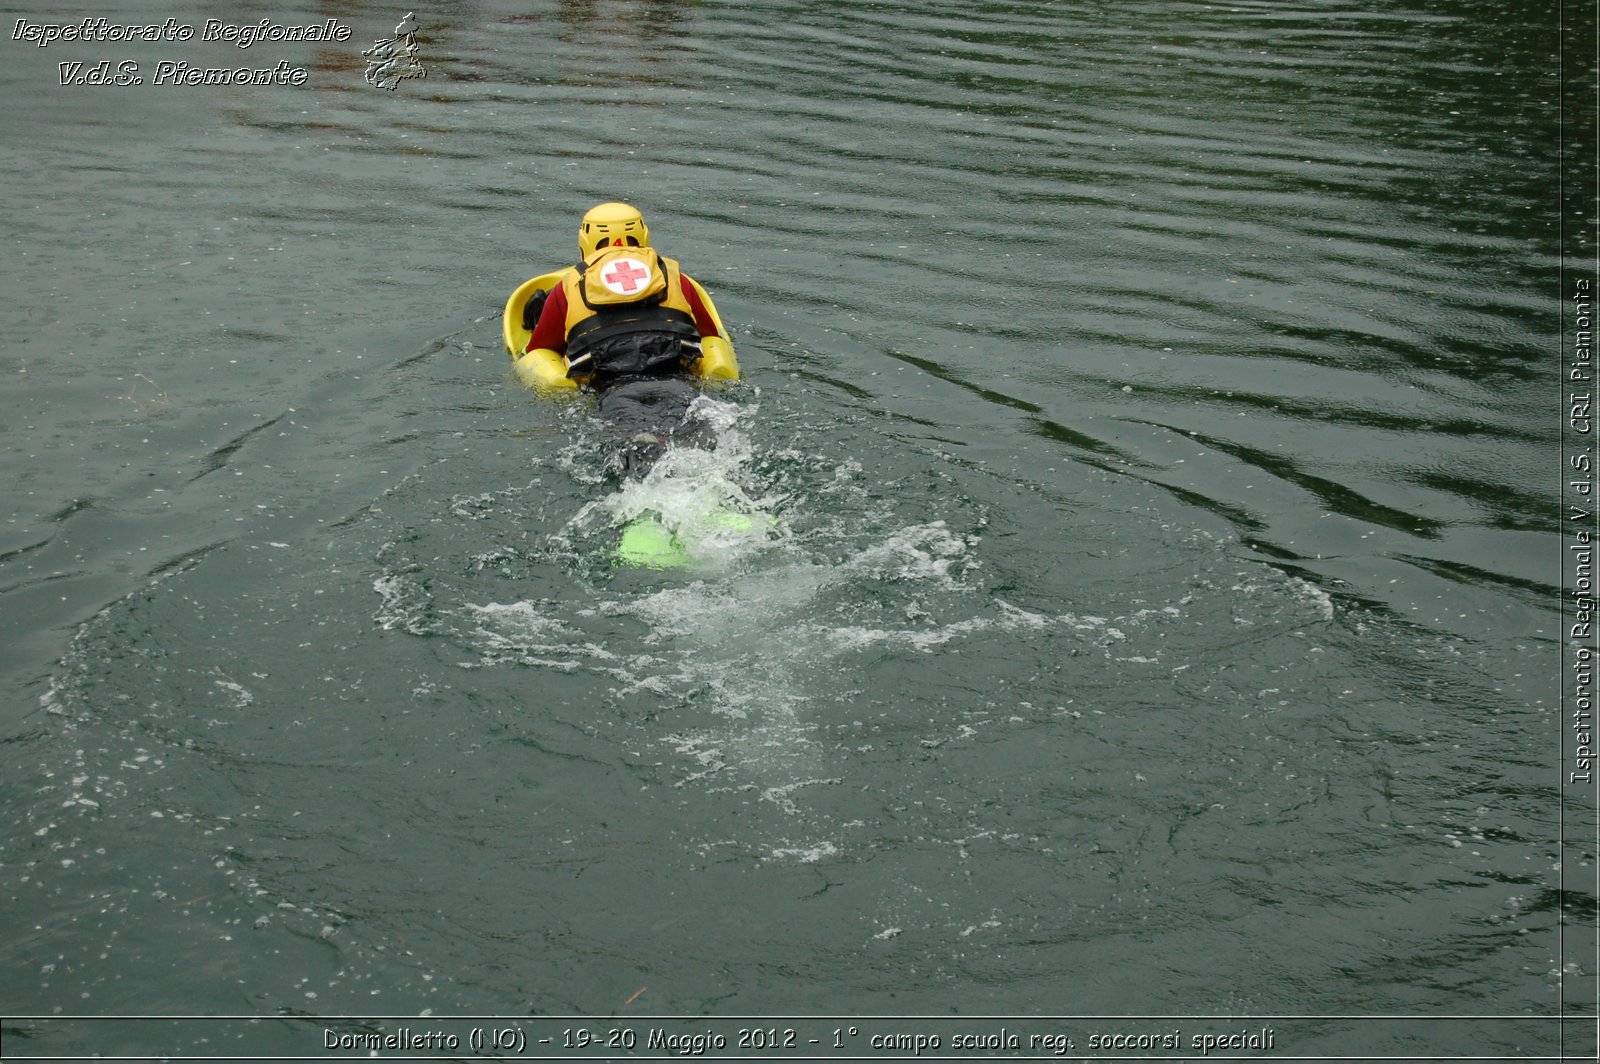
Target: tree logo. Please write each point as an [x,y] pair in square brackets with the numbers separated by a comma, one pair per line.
[391,61]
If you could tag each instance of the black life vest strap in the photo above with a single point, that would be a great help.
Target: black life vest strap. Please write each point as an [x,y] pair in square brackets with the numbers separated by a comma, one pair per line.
[629,318]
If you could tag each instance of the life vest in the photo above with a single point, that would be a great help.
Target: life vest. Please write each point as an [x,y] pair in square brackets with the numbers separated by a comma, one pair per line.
[626,313]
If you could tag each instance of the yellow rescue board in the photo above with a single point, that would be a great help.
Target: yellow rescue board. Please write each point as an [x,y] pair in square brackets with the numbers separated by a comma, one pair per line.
[546,371]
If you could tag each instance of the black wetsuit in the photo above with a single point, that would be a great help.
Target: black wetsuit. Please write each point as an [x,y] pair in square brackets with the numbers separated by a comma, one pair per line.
[646,413]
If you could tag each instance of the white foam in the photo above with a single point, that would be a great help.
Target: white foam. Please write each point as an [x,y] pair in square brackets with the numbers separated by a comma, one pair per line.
[928,552]
[525,634]
[1319,599]
[241,696]
[521,619]
[403,605]
[781,796]
[804,854]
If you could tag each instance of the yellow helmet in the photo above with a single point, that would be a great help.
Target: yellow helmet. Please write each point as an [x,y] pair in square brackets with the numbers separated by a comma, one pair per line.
[612,224]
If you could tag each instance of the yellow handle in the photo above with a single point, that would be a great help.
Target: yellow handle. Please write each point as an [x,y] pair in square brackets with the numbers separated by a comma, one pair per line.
[544,370]
[716,362]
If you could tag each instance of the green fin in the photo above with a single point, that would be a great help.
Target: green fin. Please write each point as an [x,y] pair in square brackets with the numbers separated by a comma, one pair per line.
[732,520]
[646,541]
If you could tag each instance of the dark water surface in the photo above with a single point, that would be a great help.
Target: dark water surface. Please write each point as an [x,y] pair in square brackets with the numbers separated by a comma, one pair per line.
[1157,407]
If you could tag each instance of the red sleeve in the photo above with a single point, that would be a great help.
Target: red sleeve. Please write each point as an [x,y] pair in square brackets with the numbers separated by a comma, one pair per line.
[551,330]
[702,316]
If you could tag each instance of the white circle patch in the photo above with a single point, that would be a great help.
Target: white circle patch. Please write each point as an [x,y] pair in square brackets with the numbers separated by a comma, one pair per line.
[625,276]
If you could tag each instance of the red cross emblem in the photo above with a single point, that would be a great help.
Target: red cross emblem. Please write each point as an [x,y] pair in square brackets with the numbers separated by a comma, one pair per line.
[625,275]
